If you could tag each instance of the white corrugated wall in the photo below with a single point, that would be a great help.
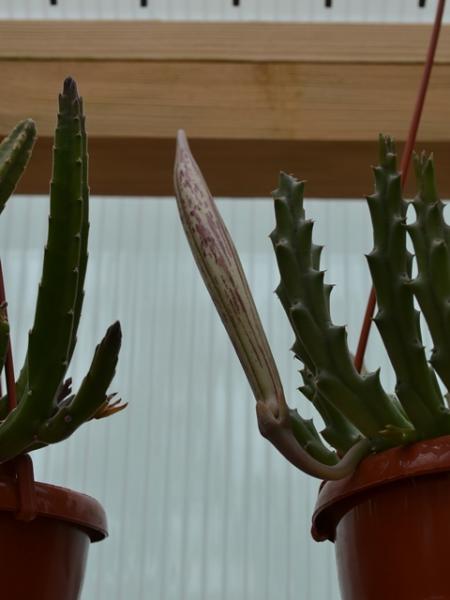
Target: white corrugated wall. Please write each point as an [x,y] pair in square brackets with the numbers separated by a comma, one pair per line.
[252,10]
[200,507]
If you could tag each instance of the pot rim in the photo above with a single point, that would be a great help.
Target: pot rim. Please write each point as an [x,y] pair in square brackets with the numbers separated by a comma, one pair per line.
[423,458]
[56,502]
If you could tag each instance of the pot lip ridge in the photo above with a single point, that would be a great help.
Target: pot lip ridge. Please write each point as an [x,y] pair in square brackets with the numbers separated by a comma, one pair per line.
[422,458]
[60,503]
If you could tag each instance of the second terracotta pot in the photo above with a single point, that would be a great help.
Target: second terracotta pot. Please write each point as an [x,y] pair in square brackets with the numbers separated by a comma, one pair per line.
[390,523]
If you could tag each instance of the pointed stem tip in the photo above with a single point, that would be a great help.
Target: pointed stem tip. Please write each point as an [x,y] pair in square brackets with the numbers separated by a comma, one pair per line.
[114,331]
[70,88]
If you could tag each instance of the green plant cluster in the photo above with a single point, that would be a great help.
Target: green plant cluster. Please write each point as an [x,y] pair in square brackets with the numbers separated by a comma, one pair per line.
[354,406]
[47,411]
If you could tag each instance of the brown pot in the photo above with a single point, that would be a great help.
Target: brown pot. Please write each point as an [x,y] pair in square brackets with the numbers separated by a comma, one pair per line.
[45,533]
[390,522]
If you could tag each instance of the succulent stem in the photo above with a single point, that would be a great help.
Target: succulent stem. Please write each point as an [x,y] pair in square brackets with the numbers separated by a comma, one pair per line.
[51,334]
[397,319]
[349,402]
[431,239]
[83,406]
[15,151]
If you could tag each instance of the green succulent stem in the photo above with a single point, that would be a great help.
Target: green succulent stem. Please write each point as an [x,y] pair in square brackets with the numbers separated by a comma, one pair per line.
[307,436]
[15,152]
[431,240]
[51,334]
[84,235]
[91,395]
[332,380]
[339,432]
[396,319]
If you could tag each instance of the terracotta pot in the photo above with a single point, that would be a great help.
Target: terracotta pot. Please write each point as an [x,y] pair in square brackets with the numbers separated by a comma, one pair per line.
[390,522]
[45,533]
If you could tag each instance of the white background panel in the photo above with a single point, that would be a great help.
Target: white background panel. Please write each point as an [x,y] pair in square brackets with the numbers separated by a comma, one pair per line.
[200,507]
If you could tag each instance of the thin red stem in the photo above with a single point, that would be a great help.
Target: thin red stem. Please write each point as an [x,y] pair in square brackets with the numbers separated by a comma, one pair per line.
[9,366]
[404,167]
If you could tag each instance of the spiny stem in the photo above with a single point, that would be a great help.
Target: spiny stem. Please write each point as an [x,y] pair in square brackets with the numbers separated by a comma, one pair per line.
[9,366]
[406,160]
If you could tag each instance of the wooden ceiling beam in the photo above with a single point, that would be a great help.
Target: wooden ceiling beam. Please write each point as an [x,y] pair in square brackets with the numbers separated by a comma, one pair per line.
[254,97]
[244,168]
[218,41]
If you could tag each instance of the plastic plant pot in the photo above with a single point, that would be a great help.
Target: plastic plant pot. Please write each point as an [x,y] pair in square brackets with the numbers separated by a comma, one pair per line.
[390,524]
[45,533]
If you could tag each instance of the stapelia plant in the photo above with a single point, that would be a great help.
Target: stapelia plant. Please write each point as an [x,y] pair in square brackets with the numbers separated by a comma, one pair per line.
[47,411]
[359,416]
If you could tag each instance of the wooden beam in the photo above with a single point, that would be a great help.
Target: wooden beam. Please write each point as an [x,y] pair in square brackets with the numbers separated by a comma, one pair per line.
[255,97]
[212,41]
[279,101]
[143,167]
